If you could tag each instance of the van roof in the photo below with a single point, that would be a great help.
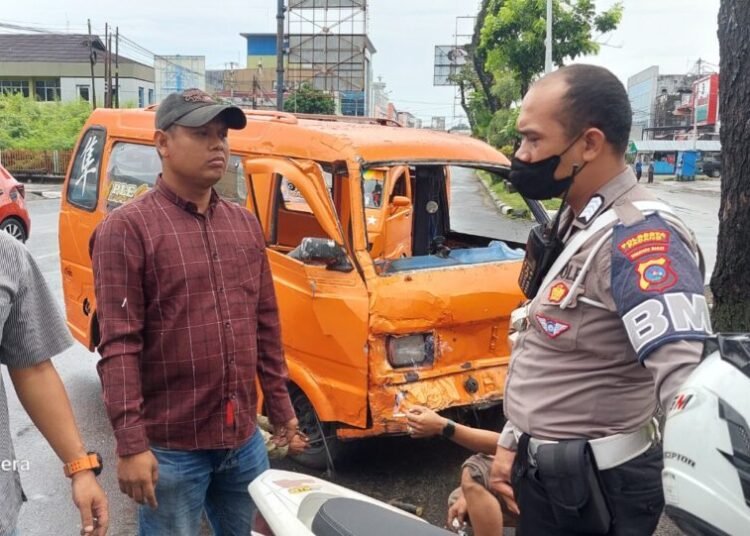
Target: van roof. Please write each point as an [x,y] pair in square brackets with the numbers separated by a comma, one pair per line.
[324,138]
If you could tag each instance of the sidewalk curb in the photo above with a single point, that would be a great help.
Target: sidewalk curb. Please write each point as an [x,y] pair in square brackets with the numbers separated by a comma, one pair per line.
[505,210]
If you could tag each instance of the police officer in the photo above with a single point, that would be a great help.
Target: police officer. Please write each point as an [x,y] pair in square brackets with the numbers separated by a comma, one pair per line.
[614,327]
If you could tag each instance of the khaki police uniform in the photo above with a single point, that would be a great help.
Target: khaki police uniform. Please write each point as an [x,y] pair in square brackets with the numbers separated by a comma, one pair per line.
[619,328]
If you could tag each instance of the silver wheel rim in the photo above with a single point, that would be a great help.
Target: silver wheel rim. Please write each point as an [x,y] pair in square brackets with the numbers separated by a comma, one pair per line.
[14,230]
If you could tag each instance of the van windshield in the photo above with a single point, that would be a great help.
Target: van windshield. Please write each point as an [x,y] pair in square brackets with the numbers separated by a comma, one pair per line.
[433,216]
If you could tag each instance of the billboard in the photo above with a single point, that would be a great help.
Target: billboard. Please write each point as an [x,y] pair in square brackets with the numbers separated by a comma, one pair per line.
[177,73]
[706,99]
[449,60]
[327,4]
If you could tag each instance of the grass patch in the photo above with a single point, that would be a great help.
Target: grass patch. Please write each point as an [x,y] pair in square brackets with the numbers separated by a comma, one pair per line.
[512,199]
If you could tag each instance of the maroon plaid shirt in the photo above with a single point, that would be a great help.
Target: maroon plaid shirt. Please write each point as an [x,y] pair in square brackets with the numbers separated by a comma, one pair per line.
[188,316]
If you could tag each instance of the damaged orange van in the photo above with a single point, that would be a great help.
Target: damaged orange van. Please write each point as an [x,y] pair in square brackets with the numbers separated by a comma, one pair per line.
[383,304]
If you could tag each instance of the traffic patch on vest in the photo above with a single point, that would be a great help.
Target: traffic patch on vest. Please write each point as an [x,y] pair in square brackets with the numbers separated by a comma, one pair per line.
[650,242]
[656,275]
[553,328]
[657,286]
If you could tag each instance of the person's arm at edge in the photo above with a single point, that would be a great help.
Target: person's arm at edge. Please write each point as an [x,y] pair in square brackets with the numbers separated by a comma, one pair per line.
[425,422]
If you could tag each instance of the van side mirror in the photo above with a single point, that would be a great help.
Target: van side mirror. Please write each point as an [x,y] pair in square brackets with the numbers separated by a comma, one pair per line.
[322,251]
[400,201]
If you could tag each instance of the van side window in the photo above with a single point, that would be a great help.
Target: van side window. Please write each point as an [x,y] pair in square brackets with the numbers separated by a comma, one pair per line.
[293,218]
[399,189]
[293,199]
[232,185]
[133,169]
[83,185]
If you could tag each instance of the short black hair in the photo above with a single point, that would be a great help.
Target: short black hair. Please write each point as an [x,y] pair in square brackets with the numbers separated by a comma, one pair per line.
[596,98]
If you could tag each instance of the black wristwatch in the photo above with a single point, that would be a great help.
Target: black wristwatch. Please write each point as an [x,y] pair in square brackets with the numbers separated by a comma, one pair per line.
[449,429]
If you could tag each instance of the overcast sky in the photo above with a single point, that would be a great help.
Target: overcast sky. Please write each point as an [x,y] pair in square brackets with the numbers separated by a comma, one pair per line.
[672,34]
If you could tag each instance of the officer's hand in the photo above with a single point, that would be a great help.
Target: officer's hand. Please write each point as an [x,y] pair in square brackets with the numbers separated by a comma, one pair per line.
[500,477]
[457,513]
[137,475]
[423,422]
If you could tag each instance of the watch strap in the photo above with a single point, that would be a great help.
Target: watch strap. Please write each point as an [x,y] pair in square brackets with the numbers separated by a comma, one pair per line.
[89,462]
[449,429]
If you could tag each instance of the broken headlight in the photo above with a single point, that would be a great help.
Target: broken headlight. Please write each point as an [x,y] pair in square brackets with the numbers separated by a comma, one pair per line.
[410,350]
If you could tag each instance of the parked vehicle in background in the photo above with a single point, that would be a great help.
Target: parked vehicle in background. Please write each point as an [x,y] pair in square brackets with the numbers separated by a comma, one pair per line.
[711,168]
[14,218]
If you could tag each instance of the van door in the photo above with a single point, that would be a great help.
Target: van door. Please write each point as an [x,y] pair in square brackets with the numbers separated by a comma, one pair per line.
[324,312]
[78,219]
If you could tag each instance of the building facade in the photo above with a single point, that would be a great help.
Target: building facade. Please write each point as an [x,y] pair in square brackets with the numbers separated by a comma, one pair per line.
[658,103]
[178,73]
[57,67]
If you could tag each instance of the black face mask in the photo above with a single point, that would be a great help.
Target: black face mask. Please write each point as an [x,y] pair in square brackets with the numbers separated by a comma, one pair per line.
[536,180]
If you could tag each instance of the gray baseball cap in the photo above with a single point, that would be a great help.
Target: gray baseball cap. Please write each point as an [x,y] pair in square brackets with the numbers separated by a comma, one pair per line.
[195,108]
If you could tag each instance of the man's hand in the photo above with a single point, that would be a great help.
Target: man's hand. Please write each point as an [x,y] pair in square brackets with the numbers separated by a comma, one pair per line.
[500,477]
[91,501]
[138,475]
[457,513]
[423,422]
[283,434]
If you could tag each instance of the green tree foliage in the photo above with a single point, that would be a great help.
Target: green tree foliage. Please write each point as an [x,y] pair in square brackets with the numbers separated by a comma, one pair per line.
[28,124]
[508,54]
[514,31]
[308,100]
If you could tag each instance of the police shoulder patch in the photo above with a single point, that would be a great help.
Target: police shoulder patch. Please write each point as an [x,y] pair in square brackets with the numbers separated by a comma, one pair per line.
[558,291]
[656,274]
[591,209]
[646,242]
[657,286]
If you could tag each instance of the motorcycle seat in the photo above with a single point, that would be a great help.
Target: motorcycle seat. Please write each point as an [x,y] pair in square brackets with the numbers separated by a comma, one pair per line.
[344,516]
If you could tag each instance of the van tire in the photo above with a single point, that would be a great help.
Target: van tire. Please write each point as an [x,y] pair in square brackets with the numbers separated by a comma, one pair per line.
[320,434]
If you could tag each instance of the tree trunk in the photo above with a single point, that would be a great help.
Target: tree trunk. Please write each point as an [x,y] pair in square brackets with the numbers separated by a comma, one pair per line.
[479,58]
[465,105]
[731,278]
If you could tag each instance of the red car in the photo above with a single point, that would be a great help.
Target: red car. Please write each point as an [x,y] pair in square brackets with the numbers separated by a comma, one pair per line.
[14,218]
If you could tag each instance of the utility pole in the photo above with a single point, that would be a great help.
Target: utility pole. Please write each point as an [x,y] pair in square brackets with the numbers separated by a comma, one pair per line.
[280,55]
[106,66]
[548,40]
[92,59]
[109,79]
[232,66]
[117,67]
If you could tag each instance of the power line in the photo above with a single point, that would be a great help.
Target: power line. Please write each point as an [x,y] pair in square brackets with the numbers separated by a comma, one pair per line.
[126,42]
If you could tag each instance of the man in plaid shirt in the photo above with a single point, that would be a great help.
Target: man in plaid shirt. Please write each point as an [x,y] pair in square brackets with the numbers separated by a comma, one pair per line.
[188,319]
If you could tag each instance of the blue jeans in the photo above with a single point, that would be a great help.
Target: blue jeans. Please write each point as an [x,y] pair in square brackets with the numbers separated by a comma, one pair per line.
[212,480]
